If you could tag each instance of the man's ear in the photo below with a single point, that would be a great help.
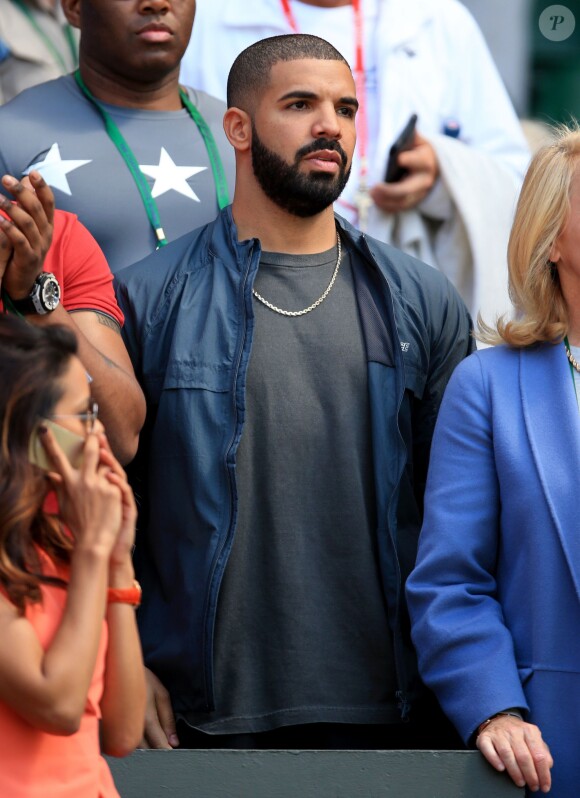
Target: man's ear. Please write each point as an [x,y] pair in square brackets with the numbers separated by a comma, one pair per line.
[72,12]
[238,129]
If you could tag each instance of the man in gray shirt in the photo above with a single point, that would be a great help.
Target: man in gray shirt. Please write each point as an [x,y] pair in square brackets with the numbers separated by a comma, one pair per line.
[36,44]
[138,159]
[293,370]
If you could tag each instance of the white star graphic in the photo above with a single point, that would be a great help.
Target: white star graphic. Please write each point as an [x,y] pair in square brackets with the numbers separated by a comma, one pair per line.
[54,169]
[170,177]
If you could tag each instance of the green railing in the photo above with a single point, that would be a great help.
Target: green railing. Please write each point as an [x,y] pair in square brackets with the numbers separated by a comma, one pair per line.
[309,774]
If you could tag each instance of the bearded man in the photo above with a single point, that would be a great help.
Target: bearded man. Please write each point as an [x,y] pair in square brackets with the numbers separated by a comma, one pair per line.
[452,204]
[293,370]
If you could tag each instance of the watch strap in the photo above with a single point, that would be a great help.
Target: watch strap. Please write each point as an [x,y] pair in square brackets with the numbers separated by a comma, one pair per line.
[24,306]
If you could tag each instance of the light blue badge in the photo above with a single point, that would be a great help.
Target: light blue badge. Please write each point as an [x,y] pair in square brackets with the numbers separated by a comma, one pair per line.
[4,51]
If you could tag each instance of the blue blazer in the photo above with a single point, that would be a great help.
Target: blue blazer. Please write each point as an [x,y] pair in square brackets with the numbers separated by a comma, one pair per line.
[495,595]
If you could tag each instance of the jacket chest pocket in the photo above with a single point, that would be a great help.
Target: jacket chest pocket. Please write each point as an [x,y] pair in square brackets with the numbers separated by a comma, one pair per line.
[181,381]
[194,410]
[197,375]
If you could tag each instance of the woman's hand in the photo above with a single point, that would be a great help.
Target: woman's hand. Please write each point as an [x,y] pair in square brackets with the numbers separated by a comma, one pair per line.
[511,744]
[123,548]
[91,504]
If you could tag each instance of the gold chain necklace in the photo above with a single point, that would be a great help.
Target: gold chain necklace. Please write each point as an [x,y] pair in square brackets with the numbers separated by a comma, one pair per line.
[573,362]
[321,299]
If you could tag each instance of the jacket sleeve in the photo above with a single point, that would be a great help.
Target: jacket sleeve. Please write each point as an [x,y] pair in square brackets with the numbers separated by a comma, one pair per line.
[449,341]
[465,651]
[142,290]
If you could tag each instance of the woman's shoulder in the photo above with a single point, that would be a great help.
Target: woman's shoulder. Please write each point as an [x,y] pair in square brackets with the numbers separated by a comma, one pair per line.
[505,356]
[495,373]
[47,567]
[490,361]
[484,376]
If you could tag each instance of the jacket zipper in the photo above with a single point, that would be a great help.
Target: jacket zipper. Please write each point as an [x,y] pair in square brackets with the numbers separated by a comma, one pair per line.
[402,698]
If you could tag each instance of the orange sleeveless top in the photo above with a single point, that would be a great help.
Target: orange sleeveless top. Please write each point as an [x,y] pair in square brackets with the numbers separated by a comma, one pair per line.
[35,764]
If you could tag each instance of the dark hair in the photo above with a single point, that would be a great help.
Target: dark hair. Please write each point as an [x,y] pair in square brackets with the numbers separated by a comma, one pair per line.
[31,362]
[250,72]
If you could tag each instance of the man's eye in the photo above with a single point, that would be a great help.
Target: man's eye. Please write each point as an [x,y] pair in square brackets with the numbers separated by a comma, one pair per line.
[300,105]
[346,111]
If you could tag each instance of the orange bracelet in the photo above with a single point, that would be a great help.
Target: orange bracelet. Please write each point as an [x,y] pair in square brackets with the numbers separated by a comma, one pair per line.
[125,595]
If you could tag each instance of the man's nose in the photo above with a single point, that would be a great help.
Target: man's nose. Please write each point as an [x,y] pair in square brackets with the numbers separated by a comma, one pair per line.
[154,6]
[327,123]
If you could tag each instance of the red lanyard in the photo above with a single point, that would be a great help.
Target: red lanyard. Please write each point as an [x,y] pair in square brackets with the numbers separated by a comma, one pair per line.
[289,15]
[359,79]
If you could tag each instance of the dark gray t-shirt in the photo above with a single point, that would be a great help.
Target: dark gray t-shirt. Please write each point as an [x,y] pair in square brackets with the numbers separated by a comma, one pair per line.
[301,631]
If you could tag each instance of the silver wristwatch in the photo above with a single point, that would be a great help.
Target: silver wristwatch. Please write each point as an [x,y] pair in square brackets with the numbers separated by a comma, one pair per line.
[44,296]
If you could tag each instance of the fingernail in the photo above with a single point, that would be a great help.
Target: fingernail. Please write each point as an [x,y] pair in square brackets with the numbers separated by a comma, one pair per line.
[8,180]
[42,429]
[173,740]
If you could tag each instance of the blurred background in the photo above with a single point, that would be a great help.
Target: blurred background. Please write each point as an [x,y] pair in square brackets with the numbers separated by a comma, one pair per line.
[538,57]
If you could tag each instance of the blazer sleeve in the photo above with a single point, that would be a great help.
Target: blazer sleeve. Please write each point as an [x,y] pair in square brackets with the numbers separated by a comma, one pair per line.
[465,651]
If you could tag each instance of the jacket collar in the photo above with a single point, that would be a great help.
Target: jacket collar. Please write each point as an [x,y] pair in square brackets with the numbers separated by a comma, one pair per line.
[223,232]
[553,426]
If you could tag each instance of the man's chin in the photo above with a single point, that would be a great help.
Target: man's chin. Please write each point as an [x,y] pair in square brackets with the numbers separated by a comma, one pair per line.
[316,177]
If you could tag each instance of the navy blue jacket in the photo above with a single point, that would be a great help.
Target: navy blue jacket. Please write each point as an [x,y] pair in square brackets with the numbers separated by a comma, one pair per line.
[188,327]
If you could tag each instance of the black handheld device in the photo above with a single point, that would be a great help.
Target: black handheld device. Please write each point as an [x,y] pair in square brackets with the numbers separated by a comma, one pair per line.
[404,141]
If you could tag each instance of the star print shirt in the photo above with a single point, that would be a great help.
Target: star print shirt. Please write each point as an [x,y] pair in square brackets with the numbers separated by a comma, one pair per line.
[53,128]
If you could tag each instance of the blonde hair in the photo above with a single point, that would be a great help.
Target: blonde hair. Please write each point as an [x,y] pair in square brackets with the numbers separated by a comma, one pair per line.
[542,212]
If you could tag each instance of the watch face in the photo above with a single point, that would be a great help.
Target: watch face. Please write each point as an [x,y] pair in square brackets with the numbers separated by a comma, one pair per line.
[50,293]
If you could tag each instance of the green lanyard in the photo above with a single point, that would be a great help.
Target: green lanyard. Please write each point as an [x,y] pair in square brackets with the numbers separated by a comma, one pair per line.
[46,39]
[217,168]
[140,180]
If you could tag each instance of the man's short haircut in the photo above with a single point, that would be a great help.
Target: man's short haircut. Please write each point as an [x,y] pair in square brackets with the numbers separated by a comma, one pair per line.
[250,72]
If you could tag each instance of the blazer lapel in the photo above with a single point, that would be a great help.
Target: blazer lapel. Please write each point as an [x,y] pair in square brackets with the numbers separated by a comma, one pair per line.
[553,426]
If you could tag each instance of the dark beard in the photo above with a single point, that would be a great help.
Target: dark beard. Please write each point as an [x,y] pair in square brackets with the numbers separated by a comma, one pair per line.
[303,195]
